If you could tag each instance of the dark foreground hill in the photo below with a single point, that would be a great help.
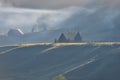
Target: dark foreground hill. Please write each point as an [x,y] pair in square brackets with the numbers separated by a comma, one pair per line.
[61,61]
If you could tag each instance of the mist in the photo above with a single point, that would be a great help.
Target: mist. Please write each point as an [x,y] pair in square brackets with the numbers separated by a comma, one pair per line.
[28,18]
[96,20]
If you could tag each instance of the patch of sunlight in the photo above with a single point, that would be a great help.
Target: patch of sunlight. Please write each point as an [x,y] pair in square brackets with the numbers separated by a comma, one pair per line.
[69,44]
[9,50]
[48,49]
[34,44]
[86,63]
[60,77]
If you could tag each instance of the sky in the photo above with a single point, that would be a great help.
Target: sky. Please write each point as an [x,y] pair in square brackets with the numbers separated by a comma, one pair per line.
[60,14]
[44,4]
[16,13]
[53,4]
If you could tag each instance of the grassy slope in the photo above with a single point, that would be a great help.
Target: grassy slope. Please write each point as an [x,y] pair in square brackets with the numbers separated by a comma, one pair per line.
[97,61]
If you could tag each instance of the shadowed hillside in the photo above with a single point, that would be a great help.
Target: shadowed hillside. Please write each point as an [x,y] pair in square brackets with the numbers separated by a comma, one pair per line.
[70,61]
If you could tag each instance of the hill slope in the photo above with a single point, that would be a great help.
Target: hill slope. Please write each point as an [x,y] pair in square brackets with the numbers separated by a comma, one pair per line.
[75,61]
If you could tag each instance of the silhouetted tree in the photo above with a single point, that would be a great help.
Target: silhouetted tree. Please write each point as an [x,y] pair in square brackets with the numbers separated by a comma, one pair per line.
[78,37]
[55,41]
[62,38]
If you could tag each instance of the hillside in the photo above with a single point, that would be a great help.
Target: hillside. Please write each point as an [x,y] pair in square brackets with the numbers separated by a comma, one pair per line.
[71,61]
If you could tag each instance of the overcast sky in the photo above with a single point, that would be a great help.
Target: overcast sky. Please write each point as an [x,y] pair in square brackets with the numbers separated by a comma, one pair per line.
[54,4]
[45,4]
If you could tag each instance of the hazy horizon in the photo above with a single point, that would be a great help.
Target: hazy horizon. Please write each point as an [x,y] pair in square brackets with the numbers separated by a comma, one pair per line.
[94,19]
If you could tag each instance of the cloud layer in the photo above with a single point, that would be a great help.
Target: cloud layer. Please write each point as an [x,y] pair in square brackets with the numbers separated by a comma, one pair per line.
[56,4]
[28,18]
[95,21]
[45,4]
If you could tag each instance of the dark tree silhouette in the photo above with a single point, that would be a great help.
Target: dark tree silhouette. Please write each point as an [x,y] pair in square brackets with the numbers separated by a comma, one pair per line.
[78,37]
[62,38]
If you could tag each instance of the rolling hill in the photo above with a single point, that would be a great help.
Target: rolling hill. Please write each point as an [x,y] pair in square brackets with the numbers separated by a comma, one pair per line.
[65,61]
